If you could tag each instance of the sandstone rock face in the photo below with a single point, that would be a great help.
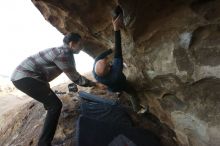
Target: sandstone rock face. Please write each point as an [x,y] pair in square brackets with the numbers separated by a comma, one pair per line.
[172,52]
[22,126]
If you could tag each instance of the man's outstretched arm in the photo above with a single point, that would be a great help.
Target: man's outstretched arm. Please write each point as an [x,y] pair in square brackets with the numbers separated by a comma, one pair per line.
[67,65]
[118,59]
[118,49]
[103,55]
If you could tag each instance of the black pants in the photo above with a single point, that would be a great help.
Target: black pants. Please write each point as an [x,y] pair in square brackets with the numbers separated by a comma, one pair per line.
[41,92]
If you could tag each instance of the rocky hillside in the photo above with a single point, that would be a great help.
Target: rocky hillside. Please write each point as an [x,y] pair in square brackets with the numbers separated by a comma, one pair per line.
[22,125]
[171,49]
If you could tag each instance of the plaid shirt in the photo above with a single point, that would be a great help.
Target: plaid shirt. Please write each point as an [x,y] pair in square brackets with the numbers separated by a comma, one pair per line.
[48,64]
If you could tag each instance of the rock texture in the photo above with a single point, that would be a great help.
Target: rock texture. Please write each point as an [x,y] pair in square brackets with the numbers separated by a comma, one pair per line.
[172,52]
[22,126]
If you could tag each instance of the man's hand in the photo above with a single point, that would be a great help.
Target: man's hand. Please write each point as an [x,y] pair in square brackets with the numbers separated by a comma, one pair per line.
[98,85]
[118,23]
[101,86]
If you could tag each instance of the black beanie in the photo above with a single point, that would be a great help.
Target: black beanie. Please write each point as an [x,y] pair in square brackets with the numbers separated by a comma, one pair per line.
[71,37]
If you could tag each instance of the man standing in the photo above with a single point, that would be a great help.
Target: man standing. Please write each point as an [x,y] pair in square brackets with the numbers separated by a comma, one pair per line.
[34,73]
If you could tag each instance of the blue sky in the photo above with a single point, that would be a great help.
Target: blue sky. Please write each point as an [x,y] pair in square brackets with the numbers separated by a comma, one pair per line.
[24,31]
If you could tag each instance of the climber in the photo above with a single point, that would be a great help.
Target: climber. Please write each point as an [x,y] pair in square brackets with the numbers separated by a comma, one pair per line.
[33,75]
[112,75]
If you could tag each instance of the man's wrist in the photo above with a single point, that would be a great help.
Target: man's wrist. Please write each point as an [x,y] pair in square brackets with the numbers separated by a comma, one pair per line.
[90,83]
[116,28]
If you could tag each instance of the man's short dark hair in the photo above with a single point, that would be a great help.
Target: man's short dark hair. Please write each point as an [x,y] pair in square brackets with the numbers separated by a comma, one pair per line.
[75,37]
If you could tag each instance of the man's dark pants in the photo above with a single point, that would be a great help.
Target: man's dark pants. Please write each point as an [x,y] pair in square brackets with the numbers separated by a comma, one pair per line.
[41,92]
